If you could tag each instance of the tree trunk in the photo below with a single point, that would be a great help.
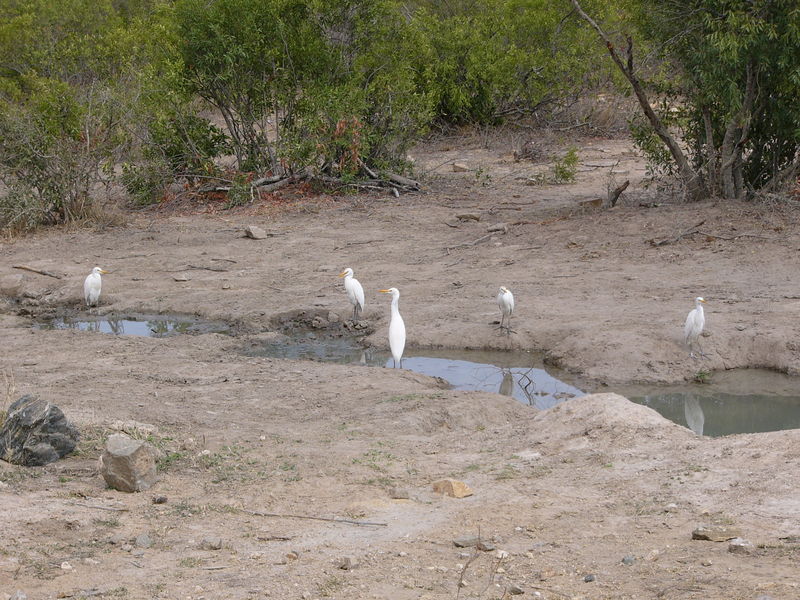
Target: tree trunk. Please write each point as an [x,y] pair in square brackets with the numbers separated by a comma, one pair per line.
[695,187]
[735,135]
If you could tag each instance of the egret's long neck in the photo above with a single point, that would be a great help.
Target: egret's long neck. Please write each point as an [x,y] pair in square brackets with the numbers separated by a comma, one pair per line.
[699,307]
[396,305]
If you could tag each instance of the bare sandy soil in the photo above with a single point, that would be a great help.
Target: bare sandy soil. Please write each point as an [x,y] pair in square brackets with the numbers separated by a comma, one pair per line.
[560,495]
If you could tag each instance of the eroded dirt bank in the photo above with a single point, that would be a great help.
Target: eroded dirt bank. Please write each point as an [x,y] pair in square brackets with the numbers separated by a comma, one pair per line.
[566,493]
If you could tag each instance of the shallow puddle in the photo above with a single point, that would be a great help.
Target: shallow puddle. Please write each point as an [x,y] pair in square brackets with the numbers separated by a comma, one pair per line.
[736,401]
[739,401]
[142,325]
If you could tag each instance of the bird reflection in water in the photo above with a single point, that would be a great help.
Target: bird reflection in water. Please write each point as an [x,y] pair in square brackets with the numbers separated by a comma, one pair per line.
[693,412]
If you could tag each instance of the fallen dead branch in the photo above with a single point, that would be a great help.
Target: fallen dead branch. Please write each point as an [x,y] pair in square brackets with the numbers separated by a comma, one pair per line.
[736,237]
[693,229]
[98,507]
[472,243]
[38,271]
[311,517]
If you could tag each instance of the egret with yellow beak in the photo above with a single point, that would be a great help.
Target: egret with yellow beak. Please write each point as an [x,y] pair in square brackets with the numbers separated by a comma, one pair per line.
[92,285]
[397,329]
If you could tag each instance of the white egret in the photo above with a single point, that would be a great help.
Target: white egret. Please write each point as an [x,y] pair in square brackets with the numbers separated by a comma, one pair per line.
[695,321]
[397,329]
[505,300]
[92,285]
[354,291]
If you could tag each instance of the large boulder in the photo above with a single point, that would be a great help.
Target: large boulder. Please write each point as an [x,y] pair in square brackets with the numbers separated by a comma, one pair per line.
[128,465]
[36,433]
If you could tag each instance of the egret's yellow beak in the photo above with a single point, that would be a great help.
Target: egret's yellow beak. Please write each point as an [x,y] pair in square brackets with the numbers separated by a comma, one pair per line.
[384,291]
[342,274]
[703,301]
[104,272]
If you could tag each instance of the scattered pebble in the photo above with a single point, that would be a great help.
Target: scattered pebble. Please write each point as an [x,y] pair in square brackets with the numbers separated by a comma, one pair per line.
[628,560]
[589,578]
[706,563]
[671,507]
[715,533]
[66,566]
[741,546]
[348,563]
[452,487]
[466,541]
[143,541]
[293,555]
[255,232]
[159,499]
[515,590]
[211,543]
[399,493]
[459,167]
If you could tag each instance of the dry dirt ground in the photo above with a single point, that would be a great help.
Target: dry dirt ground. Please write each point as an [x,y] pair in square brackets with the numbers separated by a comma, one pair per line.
[561,494]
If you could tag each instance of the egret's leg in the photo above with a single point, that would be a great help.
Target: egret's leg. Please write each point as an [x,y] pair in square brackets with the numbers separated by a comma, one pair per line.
[508,325]
[401,362]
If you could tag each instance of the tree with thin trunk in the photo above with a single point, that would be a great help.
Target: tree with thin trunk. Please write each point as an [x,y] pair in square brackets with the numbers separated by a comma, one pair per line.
[727,108]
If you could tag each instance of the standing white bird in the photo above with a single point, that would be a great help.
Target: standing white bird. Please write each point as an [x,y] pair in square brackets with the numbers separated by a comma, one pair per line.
[505,300]
[397,329]
[92,285]
[695,321]
[354,291]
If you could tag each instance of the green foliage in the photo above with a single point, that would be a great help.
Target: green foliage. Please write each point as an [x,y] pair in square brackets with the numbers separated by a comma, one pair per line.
[712,46]
[564,169]
[492,58]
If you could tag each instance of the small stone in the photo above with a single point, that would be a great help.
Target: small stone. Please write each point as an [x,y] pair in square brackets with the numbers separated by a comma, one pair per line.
[515,590]
[128,465]
[715,533]
[589,578]
[126,547]
[66,566]
[159,499]
[180,277]
[628,560]
[117,538]
[671,508]
[138,553]
[255,232]
[293,555]
[143,541]
[653,555]
[485,546]
[306,596]
[211,543]
[226,286]
[10,285]
[466,541]
[741,546]
[706,563]
[19,595]
[398,493]
[452,487]
[36,433]
[497,227]
[741,327]
[402,554]
[459,167]
[348,563]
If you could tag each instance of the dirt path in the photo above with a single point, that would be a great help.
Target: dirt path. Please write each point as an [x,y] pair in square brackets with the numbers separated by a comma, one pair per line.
[562,494]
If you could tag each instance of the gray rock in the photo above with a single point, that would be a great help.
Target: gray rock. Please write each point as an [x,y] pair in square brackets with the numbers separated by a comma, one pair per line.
[628,560]
[255,232]
[589,578]
[36,433]
[741,546]
[211,543]
[715,533]
[143,541]
[128,465]
[485,546]
[465,541]
[159,499]
[399,493]
[515,590]
[126,547]
[19,595]
[348,563]
[138,553]
[10,285]
[459,167]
